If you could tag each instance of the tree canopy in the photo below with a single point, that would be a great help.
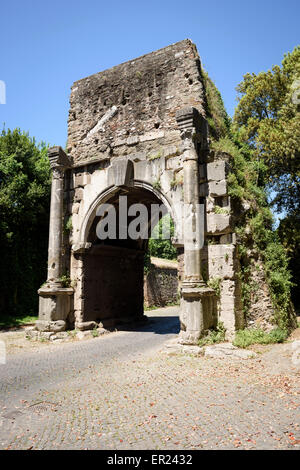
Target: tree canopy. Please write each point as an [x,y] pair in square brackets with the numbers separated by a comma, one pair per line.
[24,214]
[268,118]
[158,246]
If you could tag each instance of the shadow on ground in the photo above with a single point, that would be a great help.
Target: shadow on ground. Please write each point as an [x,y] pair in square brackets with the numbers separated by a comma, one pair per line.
[161,325]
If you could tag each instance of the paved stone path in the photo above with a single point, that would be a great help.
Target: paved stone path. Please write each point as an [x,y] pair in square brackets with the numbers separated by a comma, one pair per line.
[120,392]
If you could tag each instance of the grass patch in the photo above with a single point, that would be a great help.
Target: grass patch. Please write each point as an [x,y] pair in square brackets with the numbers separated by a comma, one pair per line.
[174,303]
[155,156]
[95,333]
[244,338]
[10,322]
[216,335]
[156,307]
[152,307]
[221,210]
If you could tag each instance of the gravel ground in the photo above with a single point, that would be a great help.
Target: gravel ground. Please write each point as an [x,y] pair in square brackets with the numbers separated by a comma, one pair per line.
[121,391]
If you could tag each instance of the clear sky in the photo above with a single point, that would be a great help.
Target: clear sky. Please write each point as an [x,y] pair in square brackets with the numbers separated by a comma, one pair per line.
[47,45]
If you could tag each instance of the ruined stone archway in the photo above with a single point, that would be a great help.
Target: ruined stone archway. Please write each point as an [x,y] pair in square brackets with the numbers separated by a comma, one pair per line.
[141,127]
[112,273]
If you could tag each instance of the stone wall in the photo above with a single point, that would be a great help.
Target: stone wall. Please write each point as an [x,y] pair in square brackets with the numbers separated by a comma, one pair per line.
[131,108]
[161,283]
[261,310]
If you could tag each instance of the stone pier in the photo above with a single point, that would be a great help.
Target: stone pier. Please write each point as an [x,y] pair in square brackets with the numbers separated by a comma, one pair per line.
[198,308]
[55,300]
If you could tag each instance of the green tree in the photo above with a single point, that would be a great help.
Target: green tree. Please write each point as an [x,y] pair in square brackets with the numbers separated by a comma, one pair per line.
[289,234]
[158,246]
[268,118]
[24,218]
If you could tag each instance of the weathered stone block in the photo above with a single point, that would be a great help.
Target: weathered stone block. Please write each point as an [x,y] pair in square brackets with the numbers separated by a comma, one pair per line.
[142,171]
[121,172]
[198,312]
[151,136]
[84,334]
[174,348]
[133,140]
[102,331]
[218,223]
[217,171]
[221,261]
[229,313]
[75,208]
[226,239]
[48,308]
[51,326]
[79,180]
[217,188]
[226,350]
[58,325]
[210,204]
[60,336]
[78,194]
[174,163]
[138,157]
[86,325]
[31,334]
[55,304]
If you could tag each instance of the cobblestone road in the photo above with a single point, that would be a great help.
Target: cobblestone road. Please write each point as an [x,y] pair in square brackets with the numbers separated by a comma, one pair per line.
[121,392]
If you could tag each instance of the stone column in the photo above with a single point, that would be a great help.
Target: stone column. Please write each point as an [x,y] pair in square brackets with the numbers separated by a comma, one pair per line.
[56,216]
[197,300]
[55,301]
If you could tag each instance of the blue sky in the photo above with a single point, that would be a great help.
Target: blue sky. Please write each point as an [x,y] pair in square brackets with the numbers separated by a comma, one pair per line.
[47,45]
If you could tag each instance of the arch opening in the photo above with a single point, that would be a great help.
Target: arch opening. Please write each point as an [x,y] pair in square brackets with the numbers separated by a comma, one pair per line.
[113,268]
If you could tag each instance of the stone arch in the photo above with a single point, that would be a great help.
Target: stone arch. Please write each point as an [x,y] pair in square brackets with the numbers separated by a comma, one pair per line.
[111,279]
[129,147]
[105,195]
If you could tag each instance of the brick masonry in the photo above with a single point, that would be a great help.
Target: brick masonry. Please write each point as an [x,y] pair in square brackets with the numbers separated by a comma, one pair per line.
[161,285]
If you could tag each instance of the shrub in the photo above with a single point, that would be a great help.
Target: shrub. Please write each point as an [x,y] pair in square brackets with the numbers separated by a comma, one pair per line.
[158,246]
[65,280]
[244,338]
[247,182]
[215,335]
[95,333]
[215,283]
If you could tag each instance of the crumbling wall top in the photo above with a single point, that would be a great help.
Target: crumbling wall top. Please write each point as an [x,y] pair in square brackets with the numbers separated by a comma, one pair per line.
[122,109]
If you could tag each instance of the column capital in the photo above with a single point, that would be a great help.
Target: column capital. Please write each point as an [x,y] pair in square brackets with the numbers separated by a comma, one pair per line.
[188,118]
[59,160]
[190,124]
